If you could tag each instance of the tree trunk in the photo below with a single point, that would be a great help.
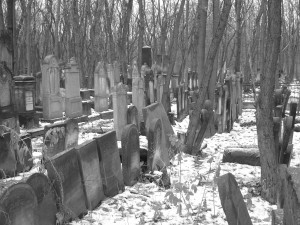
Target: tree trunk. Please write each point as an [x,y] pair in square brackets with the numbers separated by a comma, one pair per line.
[109,33]
[141,34]
[56,44]
[238,6]
[264,116]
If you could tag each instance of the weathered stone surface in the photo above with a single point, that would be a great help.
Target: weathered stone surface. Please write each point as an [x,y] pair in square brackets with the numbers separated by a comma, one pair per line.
[64,173]
[46,198]
[130,154]
[157,110]
[8,162]
[101,88]
[232,201]
[277,217]
[51,96]
[90,170]
[249,156]
[110,164]
[154,154]
[132,115]
[25,161]
[19,203]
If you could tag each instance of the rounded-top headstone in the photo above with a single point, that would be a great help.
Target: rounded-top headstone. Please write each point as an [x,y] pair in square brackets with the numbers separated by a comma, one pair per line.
[51,59]
[19,203]
[132,115]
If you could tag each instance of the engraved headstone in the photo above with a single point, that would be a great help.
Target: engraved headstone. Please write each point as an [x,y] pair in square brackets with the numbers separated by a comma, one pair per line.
[130,154]
[46,198]
[19,203]
[64,172]
[90,170]
[51,96]
[110,164]
[101,88]
[72,84]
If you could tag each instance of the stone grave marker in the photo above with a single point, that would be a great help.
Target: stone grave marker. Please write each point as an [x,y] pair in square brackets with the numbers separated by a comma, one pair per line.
[154,154]
[73,100]
[101,88]
[51,92]
[19,203]
[132,115]
[232,201]
[152,112]
[46,198]
[60,136]
[90,169]
[24,153]
[130,154]
[8,162]
[64,172]
[120,108]
[110,164]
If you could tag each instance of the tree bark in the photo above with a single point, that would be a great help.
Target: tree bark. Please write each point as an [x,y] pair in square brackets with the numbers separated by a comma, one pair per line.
[238,6]
[264,116]
[141,34]
[56,44]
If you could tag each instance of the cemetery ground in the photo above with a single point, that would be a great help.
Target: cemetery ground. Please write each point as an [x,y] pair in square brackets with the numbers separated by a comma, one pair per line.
[193,197]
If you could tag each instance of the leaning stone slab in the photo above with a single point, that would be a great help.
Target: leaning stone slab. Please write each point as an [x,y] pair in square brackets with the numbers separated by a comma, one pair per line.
[46,198]
[90,169]
[110,164]
[64,173]
[154,111]
[19,204]
[232,201]
[130,154]
[8,162]
[60,136]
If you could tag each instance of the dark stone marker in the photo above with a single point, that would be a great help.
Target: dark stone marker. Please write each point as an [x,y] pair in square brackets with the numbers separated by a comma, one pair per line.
[90,172]
[248,156]
[64,173]
[60,136]
[46,198]
[85,94]
[132,115]
[277,217]
[110,164]
[8,160]
[130,154]
[86,107]
[232,201]
[157,111]
[154,153]
[146,56]
[19,203]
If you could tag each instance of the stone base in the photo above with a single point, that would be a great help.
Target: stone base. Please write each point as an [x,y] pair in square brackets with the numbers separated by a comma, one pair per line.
[73,107]
[52,107]
[100,103]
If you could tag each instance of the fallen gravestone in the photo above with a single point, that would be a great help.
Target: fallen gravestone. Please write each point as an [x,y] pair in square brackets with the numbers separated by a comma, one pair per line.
[130,154]
[249,156]
[157,111]
[19,203]
[90,170]
[64,173]
[232,201]
[110,164]
[46,198]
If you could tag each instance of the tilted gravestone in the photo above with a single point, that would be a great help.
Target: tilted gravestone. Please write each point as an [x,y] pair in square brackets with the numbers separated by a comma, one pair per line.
[64,172]
[101,88]
[19,203]
[132,115]
[8,162]
[46,198]
[110,164]
[232,201]
[60,136]
[90,169]
[51,96]
[119,93]
[154,154]
[72,83]
[152,112]
[130,154]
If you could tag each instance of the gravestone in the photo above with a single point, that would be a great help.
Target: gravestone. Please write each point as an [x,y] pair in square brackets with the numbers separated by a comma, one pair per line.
[19,203]
[110,164]
[154,154]
[138,95]
[46,198]
[119,93]
[64,172]
[132,115]
[116,73]
[38,89]
[130,154]
[8,162]
[73,100]
[25,161]
[146,56]
[51,92]
[60,136]
[232,201]
[154,111]
[90,169]
[101,88]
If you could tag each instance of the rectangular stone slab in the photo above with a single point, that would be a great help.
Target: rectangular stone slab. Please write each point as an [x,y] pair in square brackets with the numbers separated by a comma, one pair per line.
[90,171]
[63,171]
[157,110]
[110,164]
